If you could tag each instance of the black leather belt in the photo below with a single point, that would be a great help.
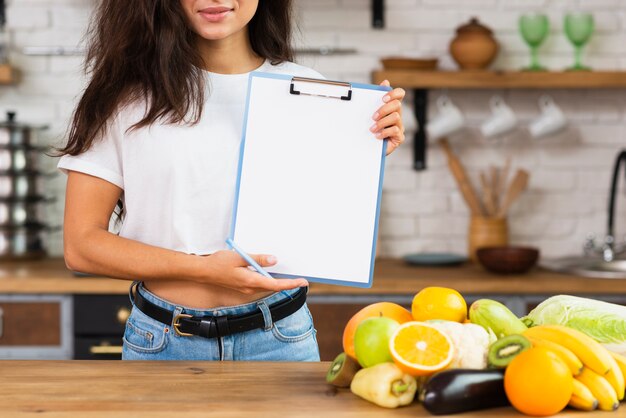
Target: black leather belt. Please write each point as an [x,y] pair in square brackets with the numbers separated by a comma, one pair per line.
[219,326]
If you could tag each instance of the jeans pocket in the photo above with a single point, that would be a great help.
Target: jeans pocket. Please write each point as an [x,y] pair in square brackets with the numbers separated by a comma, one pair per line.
[296,327]
[144,334]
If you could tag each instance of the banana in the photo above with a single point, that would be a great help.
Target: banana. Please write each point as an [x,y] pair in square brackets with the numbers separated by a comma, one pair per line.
[620,361]
[616,378]
[583,404]
[582,398]
[590,352]
[600,388]
[573,362]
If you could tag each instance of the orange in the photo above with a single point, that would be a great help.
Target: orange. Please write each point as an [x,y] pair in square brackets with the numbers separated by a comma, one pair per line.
[439,303]
[386,309]
[537,382]
[420,349]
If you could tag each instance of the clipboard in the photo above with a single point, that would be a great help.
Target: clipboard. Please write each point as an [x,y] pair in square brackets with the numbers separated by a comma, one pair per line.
[310,176]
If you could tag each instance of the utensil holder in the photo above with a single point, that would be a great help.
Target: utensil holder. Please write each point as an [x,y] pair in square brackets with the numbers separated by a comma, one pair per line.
[486,232]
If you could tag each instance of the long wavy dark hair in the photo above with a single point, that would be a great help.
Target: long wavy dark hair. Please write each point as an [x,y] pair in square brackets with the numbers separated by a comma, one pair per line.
[146,50]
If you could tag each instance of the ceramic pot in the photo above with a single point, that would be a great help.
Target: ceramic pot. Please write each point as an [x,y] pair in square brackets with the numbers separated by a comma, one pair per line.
[474,47]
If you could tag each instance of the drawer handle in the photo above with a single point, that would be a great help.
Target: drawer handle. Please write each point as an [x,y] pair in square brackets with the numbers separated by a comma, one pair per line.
[105,349]
[1,322]
[122,315]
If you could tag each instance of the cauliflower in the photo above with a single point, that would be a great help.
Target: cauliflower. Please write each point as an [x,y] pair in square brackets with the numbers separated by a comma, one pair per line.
[471,343]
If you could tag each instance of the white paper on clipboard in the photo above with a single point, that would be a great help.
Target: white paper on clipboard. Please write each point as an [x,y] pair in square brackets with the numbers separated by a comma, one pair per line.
[310,178]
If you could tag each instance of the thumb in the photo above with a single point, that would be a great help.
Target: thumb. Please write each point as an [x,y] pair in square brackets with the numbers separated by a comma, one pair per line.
[264,260]
[385,83]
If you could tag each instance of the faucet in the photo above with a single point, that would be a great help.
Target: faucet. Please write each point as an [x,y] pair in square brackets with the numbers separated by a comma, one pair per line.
[610,248]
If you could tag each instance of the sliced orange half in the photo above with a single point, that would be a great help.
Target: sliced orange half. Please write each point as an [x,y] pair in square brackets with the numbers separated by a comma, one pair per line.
[419,349]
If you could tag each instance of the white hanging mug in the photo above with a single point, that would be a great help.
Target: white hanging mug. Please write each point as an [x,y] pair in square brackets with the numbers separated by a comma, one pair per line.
[551,120]
[502,119]
[449,119]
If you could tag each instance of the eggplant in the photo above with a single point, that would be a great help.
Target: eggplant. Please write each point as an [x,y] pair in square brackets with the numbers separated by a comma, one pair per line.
[462,390]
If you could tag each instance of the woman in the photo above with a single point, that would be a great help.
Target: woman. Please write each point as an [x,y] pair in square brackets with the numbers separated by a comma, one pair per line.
[156,133]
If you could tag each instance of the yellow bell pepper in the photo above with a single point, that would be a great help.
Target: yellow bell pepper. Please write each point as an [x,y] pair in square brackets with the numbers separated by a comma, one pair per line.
[385,385]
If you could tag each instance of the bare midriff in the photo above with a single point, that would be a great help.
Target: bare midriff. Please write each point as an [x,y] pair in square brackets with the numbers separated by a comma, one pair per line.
[200,296]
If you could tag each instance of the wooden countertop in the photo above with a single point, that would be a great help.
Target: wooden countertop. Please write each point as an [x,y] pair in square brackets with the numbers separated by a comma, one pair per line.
[93,389]
[391,277]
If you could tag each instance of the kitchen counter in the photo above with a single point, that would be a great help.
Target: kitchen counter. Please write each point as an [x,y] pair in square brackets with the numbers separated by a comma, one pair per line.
[391,277]
[92,389]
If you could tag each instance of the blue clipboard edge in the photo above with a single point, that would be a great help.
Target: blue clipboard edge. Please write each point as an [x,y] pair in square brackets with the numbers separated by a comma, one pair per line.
[380,182]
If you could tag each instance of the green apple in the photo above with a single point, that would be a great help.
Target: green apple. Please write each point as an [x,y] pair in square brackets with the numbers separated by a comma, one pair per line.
[371,340]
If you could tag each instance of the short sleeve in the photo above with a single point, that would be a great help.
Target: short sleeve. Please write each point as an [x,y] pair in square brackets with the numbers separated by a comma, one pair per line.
[103,159]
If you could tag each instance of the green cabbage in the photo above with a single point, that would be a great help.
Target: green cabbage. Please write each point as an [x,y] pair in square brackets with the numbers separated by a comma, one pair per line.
[602,321]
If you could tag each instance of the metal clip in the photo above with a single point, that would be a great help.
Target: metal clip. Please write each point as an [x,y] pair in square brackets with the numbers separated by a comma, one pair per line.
[293,90]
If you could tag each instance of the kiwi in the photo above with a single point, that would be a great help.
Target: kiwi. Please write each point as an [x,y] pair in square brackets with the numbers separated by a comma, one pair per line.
[505,349]
[342,370]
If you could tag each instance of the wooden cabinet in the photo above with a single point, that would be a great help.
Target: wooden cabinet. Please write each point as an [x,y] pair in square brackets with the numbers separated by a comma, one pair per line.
[329,320]
[35,327]
[30,323]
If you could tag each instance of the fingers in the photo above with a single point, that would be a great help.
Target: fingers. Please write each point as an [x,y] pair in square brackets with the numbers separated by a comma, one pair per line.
[388,118]
[252,282]
[393,133]
[395,94]
[278,285]
[386,109]
[264,260]
[392,119]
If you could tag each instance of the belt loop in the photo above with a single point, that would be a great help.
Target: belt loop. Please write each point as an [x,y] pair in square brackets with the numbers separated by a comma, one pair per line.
[220,346]
[177,311]
[131,296]
[267,315]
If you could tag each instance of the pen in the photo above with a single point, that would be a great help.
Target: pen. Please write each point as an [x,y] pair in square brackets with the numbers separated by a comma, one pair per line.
[251,261]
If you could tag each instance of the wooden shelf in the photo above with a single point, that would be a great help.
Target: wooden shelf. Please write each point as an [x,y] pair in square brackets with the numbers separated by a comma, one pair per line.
[8,75]
[502,79]
[422,81]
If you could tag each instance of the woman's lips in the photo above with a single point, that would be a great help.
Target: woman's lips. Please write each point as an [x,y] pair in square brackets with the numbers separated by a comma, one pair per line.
[215,14]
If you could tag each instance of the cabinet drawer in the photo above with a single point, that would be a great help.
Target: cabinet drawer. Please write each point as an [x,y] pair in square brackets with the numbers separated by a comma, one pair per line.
[100,314]
[30,324]
[98,348]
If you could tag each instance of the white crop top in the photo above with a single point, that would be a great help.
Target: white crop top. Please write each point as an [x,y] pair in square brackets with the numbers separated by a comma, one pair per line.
[178,181]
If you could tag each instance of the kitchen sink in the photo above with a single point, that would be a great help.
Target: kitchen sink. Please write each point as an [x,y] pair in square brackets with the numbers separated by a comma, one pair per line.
[604,261]
[591,267]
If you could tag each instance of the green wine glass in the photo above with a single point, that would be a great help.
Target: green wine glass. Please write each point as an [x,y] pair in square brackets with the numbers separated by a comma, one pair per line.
[578,28]
[534,28]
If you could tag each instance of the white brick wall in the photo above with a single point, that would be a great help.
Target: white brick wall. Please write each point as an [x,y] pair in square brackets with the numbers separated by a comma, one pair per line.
[423,211]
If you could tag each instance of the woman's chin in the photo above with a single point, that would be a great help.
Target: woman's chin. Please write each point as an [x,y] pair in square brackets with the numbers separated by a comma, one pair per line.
[216,33]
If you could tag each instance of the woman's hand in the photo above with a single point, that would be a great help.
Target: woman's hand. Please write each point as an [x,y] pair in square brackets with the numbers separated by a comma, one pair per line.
[227,269]
[388,119]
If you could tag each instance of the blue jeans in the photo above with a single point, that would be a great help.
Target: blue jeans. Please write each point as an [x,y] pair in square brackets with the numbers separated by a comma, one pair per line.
[290,339]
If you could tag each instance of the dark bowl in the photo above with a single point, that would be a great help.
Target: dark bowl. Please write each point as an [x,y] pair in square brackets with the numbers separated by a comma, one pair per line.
[508,260]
